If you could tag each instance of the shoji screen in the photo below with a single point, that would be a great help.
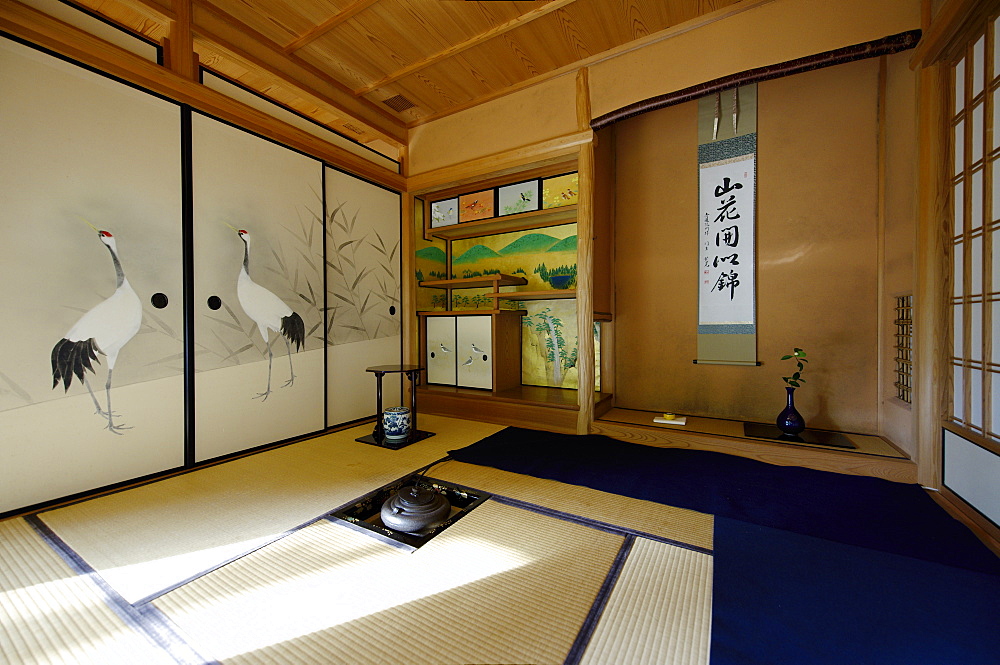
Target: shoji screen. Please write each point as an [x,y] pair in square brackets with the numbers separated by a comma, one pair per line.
[975,298]
[971,452]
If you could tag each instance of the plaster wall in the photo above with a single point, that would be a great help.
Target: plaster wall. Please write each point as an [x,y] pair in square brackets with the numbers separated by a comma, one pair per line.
[817,259]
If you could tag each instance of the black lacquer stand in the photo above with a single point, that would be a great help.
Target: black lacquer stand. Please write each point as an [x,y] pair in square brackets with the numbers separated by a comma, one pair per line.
[377,437]
[816,437]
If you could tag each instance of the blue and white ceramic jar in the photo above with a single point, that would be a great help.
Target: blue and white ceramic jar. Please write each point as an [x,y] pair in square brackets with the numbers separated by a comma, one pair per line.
[396,422]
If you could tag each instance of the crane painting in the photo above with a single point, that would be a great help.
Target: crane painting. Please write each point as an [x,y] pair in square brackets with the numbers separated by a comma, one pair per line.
[104,329]
[269,312]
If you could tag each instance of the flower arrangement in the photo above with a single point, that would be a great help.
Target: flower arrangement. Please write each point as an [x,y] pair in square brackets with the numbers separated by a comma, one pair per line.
[796,378]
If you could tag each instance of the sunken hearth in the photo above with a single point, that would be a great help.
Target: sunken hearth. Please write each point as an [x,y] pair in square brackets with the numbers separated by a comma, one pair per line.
[364,513]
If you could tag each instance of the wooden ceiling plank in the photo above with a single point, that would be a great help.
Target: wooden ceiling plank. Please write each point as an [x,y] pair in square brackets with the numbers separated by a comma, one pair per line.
[165,10]
[216,26]
[521,20]
[328,25]
[667,33]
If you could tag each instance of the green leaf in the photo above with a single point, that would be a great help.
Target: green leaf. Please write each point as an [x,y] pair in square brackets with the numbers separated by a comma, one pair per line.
[795,376]
[785,357]
[794,383]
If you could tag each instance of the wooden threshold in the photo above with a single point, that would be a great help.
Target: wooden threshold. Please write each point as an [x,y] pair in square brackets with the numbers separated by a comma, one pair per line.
[874,456]
[534,407]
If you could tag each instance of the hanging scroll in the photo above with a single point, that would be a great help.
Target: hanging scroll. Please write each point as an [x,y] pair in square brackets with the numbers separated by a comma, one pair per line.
[727,188]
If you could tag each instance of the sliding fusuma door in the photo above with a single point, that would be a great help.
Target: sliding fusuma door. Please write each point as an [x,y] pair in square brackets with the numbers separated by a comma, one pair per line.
[91,375]
[363,305]
[258,290]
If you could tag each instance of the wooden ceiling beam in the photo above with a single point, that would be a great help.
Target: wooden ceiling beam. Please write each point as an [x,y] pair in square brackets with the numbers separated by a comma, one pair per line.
[220,28]
[328,25]
[455,49]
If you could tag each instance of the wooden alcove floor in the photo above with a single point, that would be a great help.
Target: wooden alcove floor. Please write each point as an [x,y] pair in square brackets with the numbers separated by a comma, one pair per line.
[874,456]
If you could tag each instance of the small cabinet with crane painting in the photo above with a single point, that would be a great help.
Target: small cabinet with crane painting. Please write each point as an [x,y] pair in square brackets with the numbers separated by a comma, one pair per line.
[462,349]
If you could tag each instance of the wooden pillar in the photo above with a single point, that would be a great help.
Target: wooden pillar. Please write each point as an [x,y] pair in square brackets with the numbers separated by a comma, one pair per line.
[585,262]
[178,47]
[933,278]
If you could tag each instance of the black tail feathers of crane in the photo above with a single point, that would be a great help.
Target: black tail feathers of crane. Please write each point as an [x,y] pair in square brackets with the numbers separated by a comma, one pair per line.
[69,358]
[294,330]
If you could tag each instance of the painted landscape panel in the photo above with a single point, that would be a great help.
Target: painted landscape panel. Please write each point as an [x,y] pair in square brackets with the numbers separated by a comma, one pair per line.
[546,258]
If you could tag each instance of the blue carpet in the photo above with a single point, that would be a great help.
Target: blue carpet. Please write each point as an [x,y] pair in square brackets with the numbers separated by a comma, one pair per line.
[781,597]
[810,567]
[853,510]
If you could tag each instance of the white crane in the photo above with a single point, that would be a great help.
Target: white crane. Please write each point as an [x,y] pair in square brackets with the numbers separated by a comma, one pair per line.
[269,312]
[105,329]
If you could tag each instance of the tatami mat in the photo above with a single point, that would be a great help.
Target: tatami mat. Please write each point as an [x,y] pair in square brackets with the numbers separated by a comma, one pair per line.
[501,585]
[48,614]
[677,524]
[660,610]
[149,538]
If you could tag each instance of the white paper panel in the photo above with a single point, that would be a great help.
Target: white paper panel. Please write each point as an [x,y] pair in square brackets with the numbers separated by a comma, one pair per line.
[960,86]
[995,279]
[958,270]
[959,147]
[976,267]
[69,14]
[995,404]
[958,331]
[958,394]
[973,473]
[230,89]
[958,199]
[995,331]
[977,132]
[976,331]
[976,201]
[976,398]
[978,63]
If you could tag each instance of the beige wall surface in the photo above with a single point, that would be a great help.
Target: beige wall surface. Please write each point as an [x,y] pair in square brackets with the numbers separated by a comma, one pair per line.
[817,262]
[528,116]
[771,33]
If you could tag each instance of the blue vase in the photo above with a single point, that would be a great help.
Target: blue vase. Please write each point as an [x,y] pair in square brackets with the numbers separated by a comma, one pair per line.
[789,420]
[396,423]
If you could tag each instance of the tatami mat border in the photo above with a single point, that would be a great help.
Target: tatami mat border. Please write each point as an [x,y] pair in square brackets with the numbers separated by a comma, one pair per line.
[147,619]
[590,623]
[596,524]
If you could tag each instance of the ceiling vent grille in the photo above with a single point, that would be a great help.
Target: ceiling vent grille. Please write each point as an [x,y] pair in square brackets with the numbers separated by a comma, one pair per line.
[398,103]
